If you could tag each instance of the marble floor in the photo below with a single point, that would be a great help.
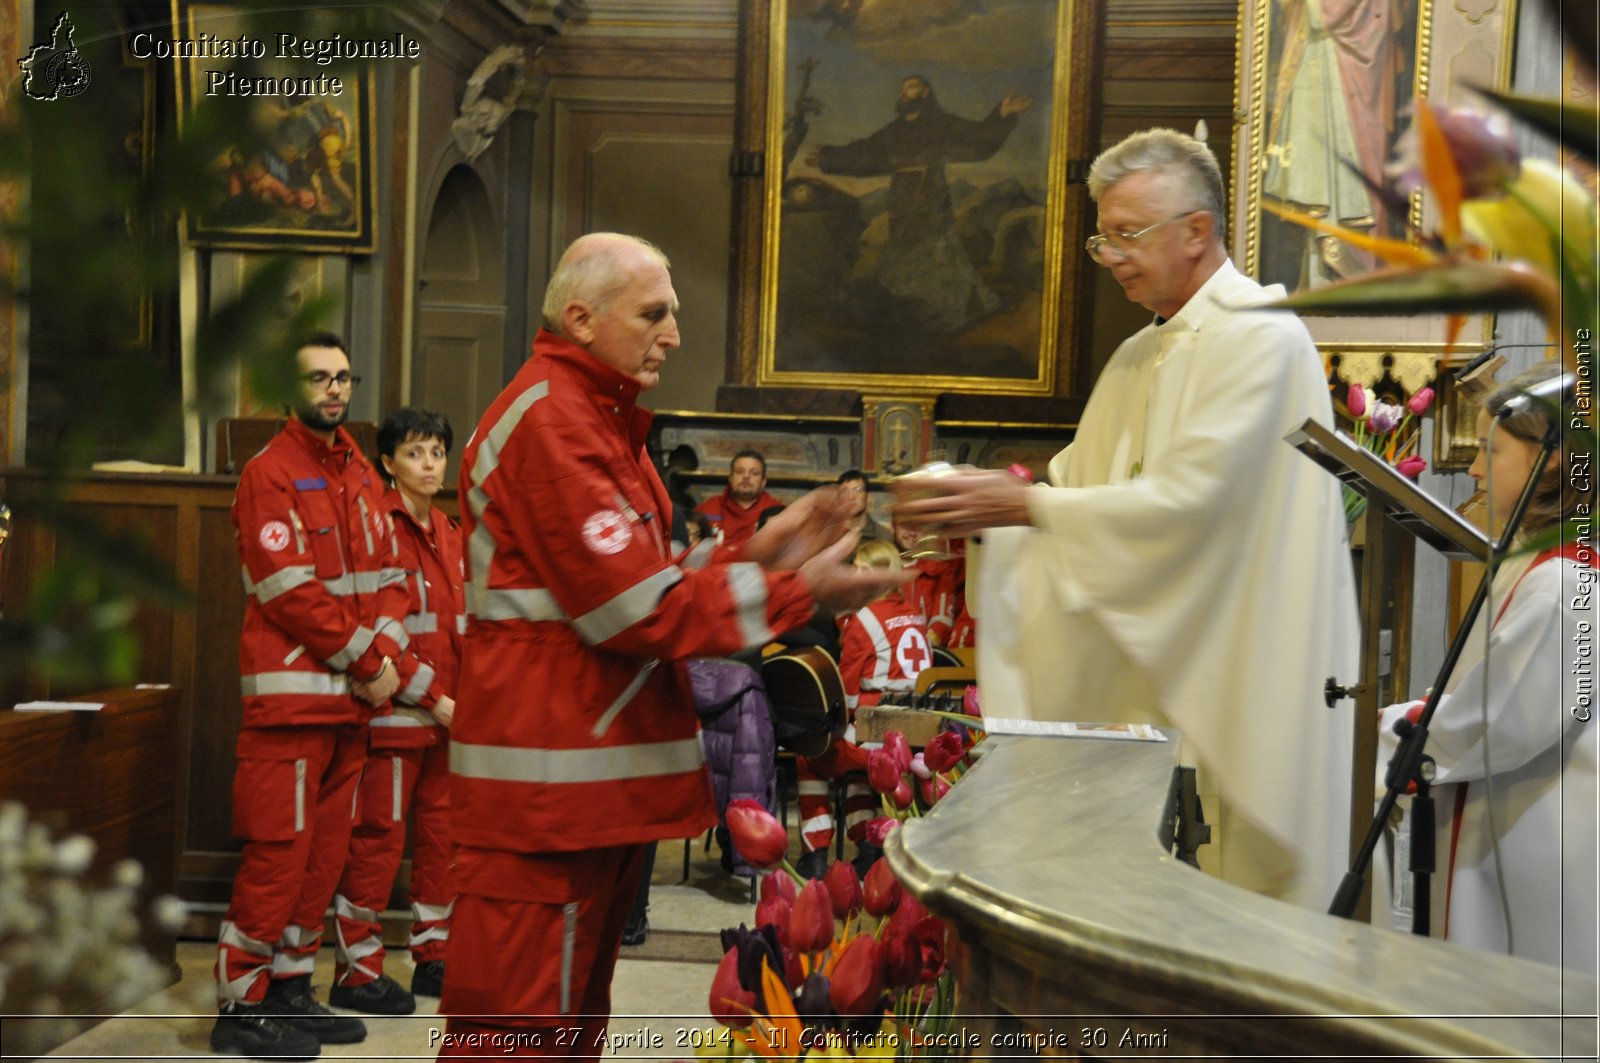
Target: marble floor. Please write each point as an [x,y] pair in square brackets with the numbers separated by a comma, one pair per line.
[658,997]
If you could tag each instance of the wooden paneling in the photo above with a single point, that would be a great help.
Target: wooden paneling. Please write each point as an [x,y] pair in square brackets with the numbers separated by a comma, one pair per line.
[106,774]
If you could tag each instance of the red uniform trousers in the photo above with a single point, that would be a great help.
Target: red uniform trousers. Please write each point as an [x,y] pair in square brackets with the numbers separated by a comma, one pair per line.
[293,792]
[558,917]
[847,761]
[397,783]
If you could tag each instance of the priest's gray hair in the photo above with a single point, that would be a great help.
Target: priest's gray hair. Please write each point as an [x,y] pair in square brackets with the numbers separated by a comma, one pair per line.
[1170,152]
[593,269]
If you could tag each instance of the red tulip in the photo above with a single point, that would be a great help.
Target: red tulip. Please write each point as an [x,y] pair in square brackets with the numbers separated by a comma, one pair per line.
[909,912]
[811,919]
[929,935]
[858,977]
[944,752]
[793,972]
[1418,404]
[774,912]
[756,833]
[883,770]
[902,958]
[879,828]
[881,891]
[969,702]
[933,789]
[895,742]
[901,795]
[1355,400]
[727,995]
[1411,466]
[779,884]
[844,887]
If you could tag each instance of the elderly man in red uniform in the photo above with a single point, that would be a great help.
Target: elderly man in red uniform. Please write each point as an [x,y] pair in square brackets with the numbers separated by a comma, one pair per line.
[324,605]
[736,513]
[574,743]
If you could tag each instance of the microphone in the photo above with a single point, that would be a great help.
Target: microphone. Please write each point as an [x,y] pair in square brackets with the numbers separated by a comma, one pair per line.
[1552,391]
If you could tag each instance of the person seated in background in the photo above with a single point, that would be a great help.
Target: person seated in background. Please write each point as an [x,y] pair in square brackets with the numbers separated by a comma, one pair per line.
[407,771]
[853,484]
[939,591]
[734,512]
[1512,739]
[883,647]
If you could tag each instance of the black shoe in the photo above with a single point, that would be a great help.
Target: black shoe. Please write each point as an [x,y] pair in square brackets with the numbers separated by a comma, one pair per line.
[428,981]
[867,854]
[636,931]
[290,999]
[381,996]
[813,863]
[251,1030]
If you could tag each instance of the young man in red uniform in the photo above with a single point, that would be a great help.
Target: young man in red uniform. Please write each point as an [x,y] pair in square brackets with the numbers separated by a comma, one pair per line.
[574,743]
[408,769]
[883,647]
[322,626]
[735,513]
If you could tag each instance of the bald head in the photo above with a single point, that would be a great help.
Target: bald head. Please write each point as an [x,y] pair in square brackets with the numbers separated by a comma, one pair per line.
[612,295]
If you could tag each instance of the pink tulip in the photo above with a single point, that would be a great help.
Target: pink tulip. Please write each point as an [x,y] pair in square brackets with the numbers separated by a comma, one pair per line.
[883,770]
[811,919]
[727,995]
[933,789]
[879,828]
[778,884]
[844,887]
[881,891]
[1418,404]
[858,977]
[1355,400]
[969,702]
[945,751]
[919,767]
[1411,466]
[895,742]
[756,833]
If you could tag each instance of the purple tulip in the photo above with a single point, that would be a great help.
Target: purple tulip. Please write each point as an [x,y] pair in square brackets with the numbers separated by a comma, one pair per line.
[1385,416]
[1481,146]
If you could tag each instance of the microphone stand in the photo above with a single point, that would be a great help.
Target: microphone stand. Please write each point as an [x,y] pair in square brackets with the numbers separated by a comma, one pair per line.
[1409,764]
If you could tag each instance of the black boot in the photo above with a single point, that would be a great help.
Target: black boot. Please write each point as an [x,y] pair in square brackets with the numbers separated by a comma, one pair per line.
[428,981]
[252,1030]
[381,996]
[813,863]
[867,854]
[290,999]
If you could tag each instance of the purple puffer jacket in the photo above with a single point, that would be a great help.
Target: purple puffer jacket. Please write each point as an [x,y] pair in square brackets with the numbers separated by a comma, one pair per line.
[736,730]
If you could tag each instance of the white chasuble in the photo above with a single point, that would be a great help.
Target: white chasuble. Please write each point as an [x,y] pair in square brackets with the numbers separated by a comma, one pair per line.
[1191,569]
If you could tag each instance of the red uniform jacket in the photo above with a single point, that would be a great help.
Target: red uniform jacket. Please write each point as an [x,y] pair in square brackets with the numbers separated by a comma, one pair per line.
[735,523]
[940,593]
[575,725]
[324,595]
[882,648]
[436,620]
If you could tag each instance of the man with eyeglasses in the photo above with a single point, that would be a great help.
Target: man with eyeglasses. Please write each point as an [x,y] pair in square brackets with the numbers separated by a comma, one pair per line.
[325,601]
[1187,567]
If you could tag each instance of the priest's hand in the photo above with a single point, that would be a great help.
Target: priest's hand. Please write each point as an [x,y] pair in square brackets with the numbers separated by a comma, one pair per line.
[960,503]
[802,531]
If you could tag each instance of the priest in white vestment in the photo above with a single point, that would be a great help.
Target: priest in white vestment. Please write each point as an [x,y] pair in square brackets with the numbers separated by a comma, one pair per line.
[1188,567]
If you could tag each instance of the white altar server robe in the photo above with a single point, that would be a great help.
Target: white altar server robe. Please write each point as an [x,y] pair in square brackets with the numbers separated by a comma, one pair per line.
[1192,570]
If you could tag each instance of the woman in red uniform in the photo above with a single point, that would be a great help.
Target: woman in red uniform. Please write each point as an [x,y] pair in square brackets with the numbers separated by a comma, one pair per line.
[407,768]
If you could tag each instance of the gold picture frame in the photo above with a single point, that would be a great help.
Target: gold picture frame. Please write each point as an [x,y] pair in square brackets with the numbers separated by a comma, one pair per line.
[1320,81]
[302,175]
[954,278]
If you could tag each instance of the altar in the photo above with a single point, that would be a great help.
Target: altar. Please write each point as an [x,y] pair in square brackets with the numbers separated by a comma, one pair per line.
[1081,937]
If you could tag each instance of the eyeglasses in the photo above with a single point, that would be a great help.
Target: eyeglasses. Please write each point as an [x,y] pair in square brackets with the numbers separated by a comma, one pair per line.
[1102,246]
[320,380]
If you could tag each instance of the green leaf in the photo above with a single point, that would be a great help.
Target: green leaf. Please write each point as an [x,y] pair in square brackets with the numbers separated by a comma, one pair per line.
[1452,286]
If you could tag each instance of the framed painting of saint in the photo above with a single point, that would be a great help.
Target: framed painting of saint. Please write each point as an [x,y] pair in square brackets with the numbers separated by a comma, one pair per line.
[914,191]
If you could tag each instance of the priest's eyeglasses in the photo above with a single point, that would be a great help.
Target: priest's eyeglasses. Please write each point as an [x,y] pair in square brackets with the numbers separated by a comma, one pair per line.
[1106,247]
[320,380]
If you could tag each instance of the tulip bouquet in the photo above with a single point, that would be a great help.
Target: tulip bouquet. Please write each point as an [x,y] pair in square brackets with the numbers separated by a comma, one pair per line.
[841,967]
[1386,429]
